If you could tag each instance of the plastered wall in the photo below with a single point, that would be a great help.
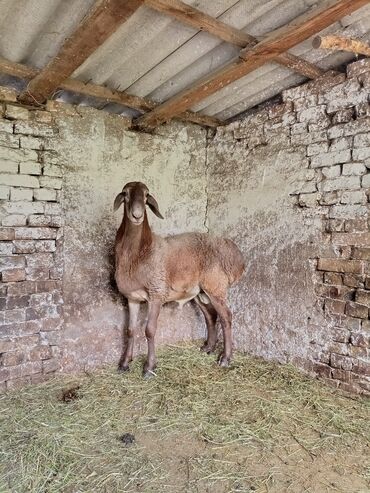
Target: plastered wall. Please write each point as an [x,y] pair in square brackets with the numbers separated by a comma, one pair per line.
[99,157]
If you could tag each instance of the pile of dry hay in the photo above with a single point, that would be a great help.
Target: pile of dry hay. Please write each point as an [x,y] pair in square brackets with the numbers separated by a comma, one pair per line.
[195,428]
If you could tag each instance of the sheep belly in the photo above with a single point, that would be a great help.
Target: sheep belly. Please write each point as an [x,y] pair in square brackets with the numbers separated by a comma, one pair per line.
[182,297]
[138,295]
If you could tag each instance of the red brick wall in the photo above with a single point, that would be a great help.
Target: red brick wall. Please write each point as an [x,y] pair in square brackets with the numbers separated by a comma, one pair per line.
[31,245]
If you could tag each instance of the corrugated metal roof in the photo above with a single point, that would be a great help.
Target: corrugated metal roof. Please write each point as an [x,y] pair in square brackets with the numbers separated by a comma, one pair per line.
[154,56]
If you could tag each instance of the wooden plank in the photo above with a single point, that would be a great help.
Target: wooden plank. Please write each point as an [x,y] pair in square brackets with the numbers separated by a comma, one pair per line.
[300,65]
[204,22]
[342,43]
[98,25]
[110,96]
[272,46]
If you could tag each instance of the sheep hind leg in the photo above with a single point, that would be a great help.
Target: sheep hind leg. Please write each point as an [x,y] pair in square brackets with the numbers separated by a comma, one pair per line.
[223,311]
[210,316]
[127,354]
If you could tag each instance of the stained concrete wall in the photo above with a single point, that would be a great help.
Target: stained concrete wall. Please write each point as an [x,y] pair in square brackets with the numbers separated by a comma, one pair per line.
[99,156]
[249,201]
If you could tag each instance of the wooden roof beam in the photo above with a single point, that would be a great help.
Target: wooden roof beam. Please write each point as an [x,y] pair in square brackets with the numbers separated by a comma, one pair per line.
[342,43]
[204,22]
[278,42]
[97,26]
[100,92]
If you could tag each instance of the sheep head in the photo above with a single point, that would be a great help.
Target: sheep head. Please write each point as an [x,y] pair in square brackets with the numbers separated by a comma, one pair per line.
[135,196]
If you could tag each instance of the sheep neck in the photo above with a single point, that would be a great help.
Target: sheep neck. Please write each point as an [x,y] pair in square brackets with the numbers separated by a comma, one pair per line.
[134,240]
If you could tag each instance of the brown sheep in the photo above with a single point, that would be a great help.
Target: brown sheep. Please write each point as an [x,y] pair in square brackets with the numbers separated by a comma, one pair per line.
[176,268]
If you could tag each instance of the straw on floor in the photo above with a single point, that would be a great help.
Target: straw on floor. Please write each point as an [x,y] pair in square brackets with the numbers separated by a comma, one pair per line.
[194,428]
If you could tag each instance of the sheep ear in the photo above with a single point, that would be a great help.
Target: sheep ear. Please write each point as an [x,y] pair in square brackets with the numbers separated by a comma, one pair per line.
[118,201]
[152,203]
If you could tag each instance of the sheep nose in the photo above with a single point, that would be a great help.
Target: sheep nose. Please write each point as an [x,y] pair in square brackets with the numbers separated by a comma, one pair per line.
[137,213]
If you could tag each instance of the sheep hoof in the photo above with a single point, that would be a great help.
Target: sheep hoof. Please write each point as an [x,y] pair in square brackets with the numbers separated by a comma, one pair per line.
[207,349]
[123,368]
[149,374]
[223,361]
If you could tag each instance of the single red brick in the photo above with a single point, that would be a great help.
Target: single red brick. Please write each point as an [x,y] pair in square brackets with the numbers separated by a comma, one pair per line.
[40,353]
[361,339]
[24,342]
[24,246]
[356,226]
[363,297]
[20,288]
[361,253]
[50,365]
[322,370]
[338,348]
[342,375]
[356,310]
[364,384]
[340,265]
[334,225]
[361,367]
[358,352]
[279,110]
[352,324]
[335,306]
[12,358]
[333,278]
[14,275]
[340,361]
[340,334]
[353,280]
[355,239]
[6,234]
[24,369]
[17,301]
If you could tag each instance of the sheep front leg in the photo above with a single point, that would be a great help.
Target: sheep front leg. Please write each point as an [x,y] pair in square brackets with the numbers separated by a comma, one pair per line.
[154,308]
[126,358]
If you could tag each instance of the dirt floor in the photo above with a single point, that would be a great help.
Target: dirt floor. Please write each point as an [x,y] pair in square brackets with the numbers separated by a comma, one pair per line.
[198,428]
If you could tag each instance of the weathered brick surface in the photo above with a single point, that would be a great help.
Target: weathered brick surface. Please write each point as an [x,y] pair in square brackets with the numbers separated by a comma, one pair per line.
[330,120]
[30,298]
[342,170]
[339,265]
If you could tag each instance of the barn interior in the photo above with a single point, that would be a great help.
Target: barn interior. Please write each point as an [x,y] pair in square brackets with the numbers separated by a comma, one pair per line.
[248,120]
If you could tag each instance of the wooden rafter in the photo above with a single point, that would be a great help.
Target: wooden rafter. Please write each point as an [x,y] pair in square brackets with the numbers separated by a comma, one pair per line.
[333,42]
[100,92]
[271,47]
[98,25]
[204,22]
